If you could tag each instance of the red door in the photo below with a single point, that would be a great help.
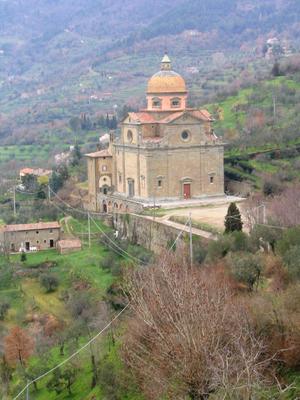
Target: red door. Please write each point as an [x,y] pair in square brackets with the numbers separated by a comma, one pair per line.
[187,191]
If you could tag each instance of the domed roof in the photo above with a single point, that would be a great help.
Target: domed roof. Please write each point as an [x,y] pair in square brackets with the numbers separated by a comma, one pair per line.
[166,80]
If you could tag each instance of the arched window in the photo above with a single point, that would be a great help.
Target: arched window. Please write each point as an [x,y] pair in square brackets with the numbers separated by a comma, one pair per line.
[156,102]
[175,102]
[129,136]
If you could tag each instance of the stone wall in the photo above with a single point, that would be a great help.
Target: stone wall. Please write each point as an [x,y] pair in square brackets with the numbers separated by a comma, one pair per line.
[152,235]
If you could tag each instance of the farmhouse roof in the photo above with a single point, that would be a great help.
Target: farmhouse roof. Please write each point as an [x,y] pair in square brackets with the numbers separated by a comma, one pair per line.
[31,227]
[35,171]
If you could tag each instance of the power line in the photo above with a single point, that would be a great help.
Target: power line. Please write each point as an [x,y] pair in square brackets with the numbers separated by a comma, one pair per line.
[73,208]
[74,354]
[115,244]
[120,253]
[26,388]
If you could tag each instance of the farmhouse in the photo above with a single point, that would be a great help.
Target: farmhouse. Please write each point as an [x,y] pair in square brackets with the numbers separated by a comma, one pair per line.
[28,237]
[166,153]
[38,172]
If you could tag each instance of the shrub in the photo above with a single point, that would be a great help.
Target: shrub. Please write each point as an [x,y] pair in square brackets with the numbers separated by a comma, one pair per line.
[231,242]
[4,307]
[23,257]
[108,261]
[49,282]
[219,248]
[292,261]
[290,238]
[246,268]
[264,236]
[271,188]
[200,252]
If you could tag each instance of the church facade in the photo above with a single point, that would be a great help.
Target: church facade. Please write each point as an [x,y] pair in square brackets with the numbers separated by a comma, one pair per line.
[165,153]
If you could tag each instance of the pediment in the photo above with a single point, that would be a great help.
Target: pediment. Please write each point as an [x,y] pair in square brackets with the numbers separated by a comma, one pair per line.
[188,117]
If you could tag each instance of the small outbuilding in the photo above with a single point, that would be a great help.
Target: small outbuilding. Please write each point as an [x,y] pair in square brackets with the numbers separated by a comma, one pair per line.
[68,245]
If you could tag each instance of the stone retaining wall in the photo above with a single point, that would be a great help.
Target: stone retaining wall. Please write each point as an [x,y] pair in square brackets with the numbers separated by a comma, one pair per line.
[153,235]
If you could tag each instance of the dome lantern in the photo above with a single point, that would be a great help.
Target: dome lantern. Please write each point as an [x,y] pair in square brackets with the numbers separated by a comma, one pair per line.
[165,63]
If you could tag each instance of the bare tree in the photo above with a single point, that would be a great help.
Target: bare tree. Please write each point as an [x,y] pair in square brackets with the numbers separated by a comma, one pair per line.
[189,335]
[285,209]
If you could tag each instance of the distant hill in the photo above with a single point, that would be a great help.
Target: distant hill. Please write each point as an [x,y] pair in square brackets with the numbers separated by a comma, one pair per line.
[61,58]
[32,27]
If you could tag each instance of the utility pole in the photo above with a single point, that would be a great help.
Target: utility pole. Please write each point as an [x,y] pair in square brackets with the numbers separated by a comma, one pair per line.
[264,214]
[15,210]
[27,392]
[89,227]
[274,106]
[191,241]
[49,193]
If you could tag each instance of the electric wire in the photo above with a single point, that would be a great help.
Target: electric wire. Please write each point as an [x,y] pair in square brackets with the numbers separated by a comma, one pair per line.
[115,244]
[105,243]
[74,354]
[90,341]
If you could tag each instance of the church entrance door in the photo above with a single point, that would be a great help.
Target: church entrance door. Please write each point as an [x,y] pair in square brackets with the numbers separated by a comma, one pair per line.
[187,191]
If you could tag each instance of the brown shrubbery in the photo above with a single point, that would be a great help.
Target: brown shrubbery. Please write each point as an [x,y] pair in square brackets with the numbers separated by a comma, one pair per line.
[277,319]
[190,334]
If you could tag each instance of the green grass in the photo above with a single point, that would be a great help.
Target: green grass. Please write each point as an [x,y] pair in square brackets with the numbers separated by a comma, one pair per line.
[27,297]
[265,167]
[196,224]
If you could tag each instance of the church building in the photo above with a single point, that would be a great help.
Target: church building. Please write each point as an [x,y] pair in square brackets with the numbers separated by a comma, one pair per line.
[166,153]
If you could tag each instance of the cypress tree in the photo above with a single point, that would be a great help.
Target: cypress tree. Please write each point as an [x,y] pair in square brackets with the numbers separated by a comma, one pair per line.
[233,219]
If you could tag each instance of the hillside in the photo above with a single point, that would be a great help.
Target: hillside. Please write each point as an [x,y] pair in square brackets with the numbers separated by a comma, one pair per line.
[61,59]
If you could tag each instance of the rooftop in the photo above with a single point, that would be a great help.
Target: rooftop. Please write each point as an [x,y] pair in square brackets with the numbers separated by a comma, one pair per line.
[149,118]
[101,153]
[35,171]
[30,227]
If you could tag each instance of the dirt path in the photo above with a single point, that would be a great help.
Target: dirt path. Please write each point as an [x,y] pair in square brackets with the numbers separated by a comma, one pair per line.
[181,227]
[209,215]
[212,215]
[68,231]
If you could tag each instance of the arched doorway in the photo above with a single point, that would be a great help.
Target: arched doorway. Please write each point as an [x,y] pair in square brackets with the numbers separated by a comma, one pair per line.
[104,207]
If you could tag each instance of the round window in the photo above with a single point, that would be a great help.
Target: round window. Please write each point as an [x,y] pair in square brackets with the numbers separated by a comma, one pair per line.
[185,135]
[129,136]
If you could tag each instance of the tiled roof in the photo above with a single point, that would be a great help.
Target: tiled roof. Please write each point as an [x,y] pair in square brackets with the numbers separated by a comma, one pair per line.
[31,227]
[142,117]
[101,153]
[148,118]
[26,171]
[172,117]
[36,171]
[201,114]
